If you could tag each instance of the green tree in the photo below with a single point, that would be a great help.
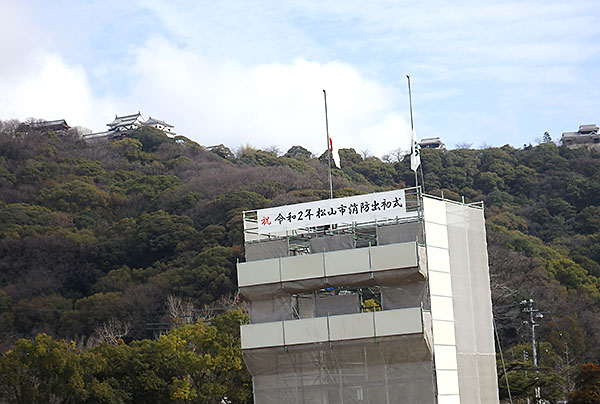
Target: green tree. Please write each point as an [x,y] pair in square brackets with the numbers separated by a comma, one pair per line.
[41,371]
[573,276]
[150,138]
[588,220]
[91,311]
[74,196]
[348,157]
[205,277]
[376,171]
[194,363]
[157,236]
[298,152]
[587,385]
[524,377]
[546,138]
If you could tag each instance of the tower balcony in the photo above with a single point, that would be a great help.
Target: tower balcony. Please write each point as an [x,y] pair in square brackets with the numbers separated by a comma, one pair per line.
[380,265]
[339,328]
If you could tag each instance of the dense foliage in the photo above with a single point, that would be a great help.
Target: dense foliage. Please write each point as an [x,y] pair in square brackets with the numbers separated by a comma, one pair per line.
[95,232]
[587,385]
[192,363]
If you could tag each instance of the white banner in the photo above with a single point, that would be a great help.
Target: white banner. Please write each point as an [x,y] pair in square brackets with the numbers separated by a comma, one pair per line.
[359,208]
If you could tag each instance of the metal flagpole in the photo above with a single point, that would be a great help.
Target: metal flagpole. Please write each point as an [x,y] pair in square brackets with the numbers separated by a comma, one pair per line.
[422,178]
[412,127]
[328,147]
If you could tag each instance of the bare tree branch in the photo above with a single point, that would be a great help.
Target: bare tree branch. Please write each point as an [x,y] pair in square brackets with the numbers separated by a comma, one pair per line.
[112,331]
[178,311]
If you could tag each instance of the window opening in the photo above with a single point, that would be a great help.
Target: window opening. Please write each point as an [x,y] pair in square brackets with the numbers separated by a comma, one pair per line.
[368,299]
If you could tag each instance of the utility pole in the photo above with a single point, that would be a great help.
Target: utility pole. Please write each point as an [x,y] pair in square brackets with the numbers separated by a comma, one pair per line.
[534,315]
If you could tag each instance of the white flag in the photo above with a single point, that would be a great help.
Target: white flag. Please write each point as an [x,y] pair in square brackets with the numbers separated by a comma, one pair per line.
[415,152]
[334,154]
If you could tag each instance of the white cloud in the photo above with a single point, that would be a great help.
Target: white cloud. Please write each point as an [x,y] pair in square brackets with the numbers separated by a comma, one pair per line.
[217,101]
[52,89]
[515,60]
[18,39]
[269,104]
[250,31]
[527,35]
[252,72]
[36,82]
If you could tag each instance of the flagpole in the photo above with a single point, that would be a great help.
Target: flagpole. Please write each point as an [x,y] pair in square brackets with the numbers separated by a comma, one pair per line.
[328,147]
[412,125]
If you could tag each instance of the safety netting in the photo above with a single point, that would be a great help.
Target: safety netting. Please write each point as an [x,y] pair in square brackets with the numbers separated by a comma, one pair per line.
[371,371]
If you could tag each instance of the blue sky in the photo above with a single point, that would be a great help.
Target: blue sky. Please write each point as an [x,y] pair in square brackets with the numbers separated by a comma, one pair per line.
[252,72]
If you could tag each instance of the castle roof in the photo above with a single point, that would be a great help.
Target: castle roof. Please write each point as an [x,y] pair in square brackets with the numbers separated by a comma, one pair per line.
[432,143]
[46,124]
[126,120]
[430,140]
[153,121]
[589,129]
[586,129]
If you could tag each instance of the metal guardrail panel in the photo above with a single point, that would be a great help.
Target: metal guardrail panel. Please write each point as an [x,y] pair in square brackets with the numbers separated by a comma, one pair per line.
[333,328]
[394,256]
[347,262]
[352,326]
[258,272]
[302,267]
[262,335]
[398,322]
[329,264]
[306,331]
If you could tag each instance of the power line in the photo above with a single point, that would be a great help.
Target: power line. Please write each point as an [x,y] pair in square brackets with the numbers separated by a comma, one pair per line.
[502,358]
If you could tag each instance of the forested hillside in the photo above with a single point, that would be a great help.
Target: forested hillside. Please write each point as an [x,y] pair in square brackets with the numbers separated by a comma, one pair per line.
[118,241]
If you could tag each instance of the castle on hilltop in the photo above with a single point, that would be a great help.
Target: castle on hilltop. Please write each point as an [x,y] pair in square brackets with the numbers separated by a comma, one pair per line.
[58,126]
[587,136]
[432,143]
[124,124]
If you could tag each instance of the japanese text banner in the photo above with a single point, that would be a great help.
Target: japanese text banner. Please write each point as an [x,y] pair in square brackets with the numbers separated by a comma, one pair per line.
[359,208]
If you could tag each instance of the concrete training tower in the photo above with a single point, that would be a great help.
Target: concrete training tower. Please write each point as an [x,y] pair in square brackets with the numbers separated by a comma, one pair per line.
[378,298]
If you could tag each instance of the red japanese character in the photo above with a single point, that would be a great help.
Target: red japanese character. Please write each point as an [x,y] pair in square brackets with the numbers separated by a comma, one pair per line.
[265,221]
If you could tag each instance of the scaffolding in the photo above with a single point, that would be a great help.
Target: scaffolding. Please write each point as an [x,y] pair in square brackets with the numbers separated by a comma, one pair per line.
[390,310]
[362,371]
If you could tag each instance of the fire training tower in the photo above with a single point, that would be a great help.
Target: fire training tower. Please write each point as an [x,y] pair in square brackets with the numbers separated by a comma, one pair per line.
[378,298]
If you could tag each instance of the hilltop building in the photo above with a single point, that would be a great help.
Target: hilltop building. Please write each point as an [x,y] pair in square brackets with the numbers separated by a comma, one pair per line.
[158,124]
[58,126]
[587,136]
[377,298]
[432,143]
[124,124]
